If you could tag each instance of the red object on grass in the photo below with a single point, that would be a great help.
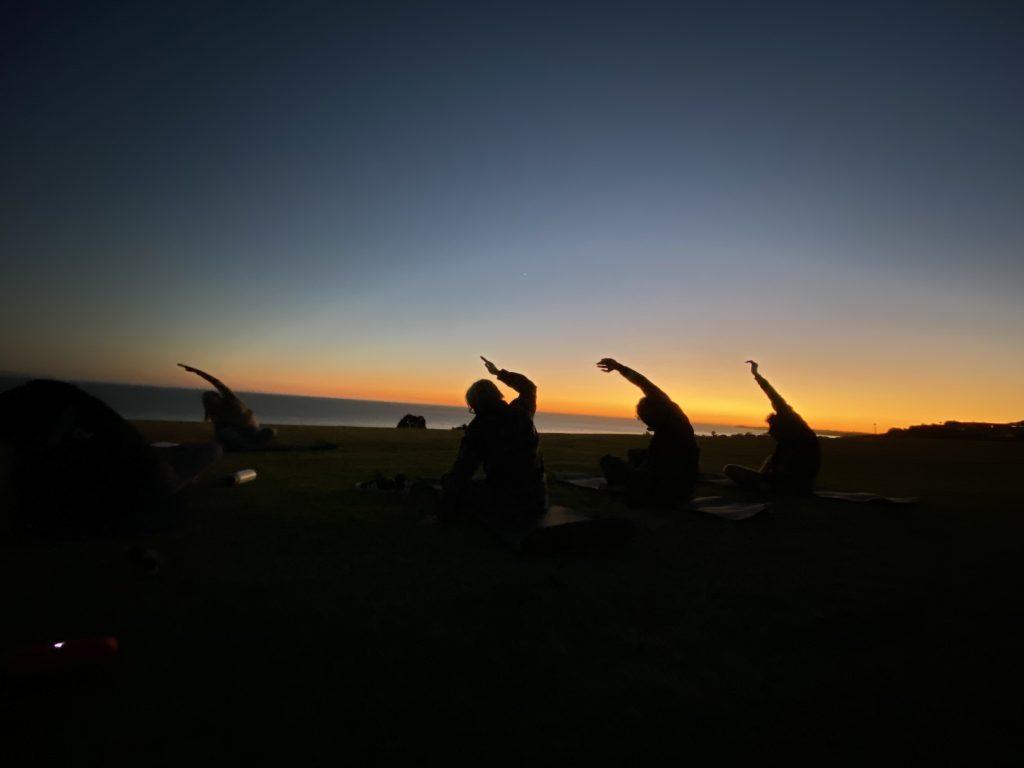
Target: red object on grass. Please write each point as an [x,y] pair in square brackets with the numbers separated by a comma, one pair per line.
[63,655]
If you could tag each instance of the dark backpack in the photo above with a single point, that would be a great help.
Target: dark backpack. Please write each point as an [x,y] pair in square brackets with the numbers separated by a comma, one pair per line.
[75,466]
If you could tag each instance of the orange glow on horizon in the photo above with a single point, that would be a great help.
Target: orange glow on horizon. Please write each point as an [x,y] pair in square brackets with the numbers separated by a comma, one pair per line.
[829,397]
[699,410]
[823,411]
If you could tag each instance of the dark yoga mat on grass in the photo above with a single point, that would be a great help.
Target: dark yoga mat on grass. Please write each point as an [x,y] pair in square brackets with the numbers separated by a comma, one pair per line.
[719,506]
[559,529]
[854,497]
[864,498]
[712,479]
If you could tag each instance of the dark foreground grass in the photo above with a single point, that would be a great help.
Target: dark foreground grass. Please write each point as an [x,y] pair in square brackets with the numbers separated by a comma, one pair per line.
[299,621]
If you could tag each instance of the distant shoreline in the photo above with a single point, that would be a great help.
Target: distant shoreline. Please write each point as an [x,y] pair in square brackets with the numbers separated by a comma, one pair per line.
[622,424]
[172,403]
[822,432]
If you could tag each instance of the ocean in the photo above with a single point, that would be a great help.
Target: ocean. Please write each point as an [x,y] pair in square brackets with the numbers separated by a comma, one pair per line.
[146,403]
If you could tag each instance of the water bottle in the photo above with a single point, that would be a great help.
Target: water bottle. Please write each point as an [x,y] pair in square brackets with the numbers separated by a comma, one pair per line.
[242,476]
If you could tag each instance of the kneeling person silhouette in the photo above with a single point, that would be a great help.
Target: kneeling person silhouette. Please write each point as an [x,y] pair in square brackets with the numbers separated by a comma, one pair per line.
[234,423]
[501,438]
[794,464]
[666,472]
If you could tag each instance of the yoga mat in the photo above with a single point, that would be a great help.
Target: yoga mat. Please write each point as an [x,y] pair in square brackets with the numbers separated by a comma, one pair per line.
[559,529]
[864,498]
[727,509]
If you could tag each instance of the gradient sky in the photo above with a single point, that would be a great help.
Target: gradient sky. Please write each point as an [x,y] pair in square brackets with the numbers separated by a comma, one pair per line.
[358,199]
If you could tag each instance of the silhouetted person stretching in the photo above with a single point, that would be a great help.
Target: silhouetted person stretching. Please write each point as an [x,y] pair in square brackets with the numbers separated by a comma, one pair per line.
[502,438]
[796,460]
[234,424]
[667,471]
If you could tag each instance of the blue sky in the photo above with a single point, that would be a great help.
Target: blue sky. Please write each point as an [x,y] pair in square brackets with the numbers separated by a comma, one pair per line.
[359,199]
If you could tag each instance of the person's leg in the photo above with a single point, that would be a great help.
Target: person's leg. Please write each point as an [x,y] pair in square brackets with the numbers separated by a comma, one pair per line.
[744,477]
[614,469]
[686,485]
[463,499]
[641,487]
[637,457]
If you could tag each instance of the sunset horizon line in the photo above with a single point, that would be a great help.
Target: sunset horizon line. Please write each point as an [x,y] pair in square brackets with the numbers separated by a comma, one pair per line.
[624,414]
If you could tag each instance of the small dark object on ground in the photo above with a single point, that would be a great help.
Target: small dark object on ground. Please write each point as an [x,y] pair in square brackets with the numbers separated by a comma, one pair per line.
[381,483]
[409,421]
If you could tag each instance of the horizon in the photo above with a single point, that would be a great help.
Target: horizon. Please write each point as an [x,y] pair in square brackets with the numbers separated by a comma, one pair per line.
[356,200]
[15,375]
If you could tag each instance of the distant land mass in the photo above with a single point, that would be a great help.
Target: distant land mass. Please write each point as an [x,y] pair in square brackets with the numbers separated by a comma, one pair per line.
[964,430]
[820,432]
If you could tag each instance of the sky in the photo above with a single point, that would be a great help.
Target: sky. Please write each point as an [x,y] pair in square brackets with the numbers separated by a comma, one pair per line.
[357,200]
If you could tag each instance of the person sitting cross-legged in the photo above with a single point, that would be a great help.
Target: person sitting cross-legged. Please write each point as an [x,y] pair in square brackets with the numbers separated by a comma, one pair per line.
[666,472]
[503,440]
[234,424]
[794,464]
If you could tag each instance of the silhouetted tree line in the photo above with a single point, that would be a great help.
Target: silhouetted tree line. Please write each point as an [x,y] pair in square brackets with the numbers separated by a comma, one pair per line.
[963,430]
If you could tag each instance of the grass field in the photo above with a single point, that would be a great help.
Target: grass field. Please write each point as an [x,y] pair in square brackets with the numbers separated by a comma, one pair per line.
[302,622]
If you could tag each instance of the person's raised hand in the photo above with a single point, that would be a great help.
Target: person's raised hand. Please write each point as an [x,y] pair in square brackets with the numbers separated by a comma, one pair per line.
[753,367]
[491,367]
[608,365]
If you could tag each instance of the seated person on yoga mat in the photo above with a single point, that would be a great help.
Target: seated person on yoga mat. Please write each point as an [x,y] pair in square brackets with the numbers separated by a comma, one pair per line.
[796,460]
[76,467]
[501,438]
[235,426]
[666,471]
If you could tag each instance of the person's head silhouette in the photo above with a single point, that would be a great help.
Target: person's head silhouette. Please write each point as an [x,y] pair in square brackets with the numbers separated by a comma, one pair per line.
[654,411]
[483,396]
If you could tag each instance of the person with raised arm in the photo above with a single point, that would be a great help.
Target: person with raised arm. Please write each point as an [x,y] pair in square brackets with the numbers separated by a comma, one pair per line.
[795,462]
[666,472]
[234,423]
[503,440]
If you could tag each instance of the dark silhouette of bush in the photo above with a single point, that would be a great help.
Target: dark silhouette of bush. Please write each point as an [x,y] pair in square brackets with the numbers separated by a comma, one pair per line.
[409,421]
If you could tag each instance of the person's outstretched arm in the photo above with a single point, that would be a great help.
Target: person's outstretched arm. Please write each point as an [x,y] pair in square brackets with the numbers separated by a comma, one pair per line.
[777,402]
[608,365]
[220,385]
[526,389]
